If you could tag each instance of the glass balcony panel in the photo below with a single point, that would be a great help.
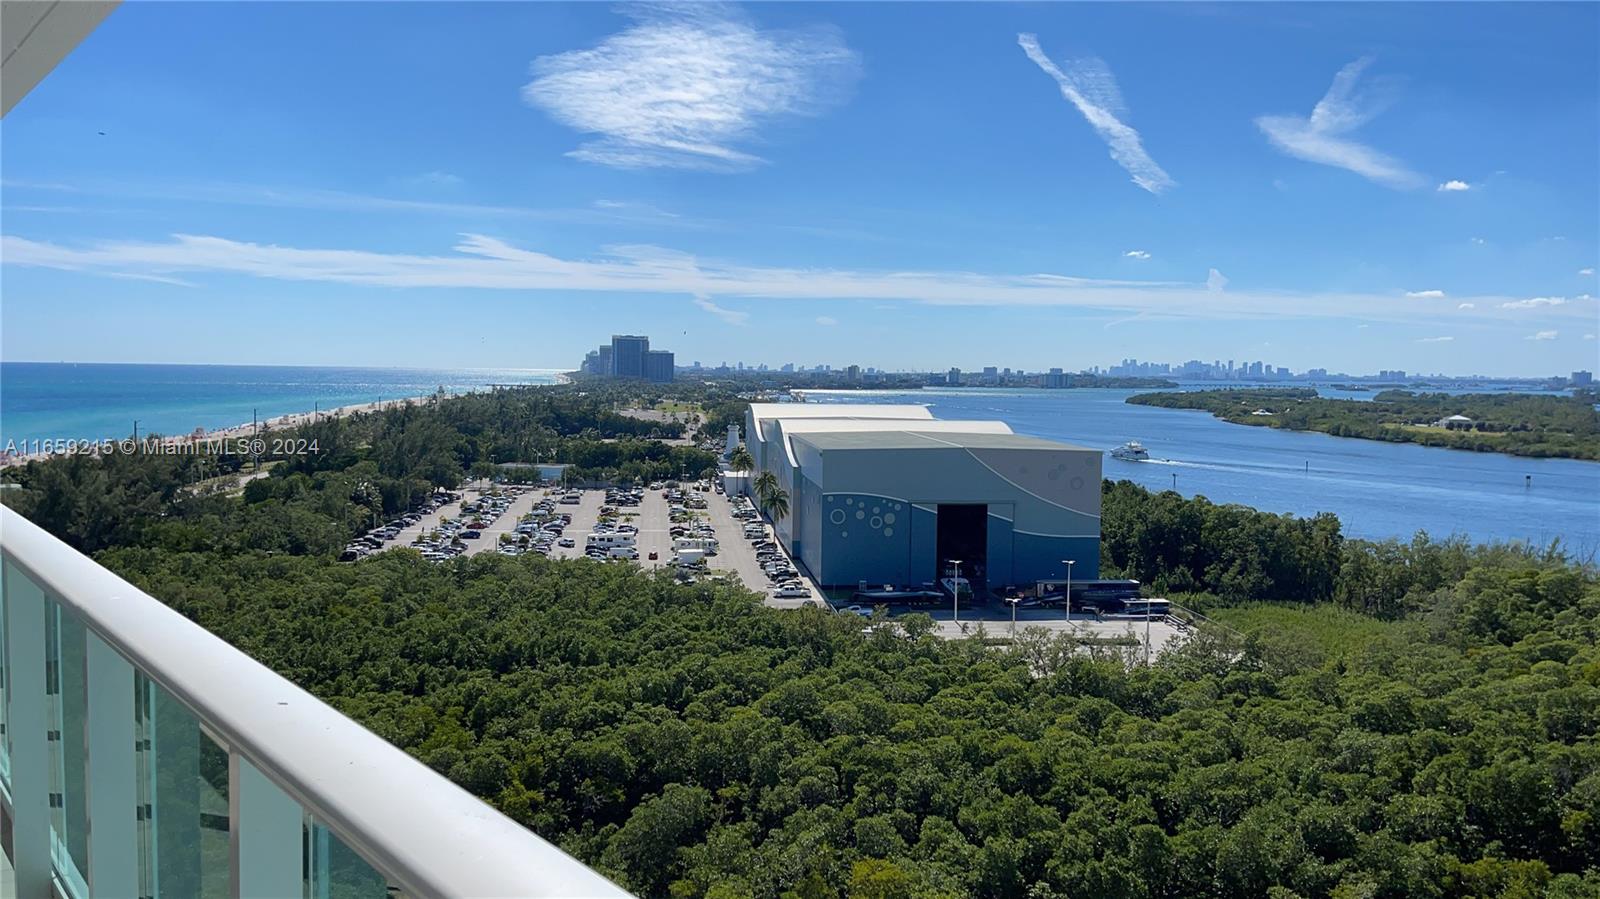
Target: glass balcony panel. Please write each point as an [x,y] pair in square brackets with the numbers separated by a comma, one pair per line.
[66,688]
[5,704]
[186,831]
[337,872]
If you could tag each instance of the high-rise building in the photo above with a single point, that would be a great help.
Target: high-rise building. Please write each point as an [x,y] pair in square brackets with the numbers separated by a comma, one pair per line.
[1582,378]
[627,355]
[954,377]
[603,361]
[658,366]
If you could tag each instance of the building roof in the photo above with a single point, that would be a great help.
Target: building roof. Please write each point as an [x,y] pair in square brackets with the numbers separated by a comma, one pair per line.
[789,428]
[926,439]
[763,411]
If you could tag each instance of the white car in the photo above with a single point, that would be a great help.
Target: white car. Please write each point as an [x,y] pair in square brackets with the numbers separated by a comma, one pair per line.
[863,611]
[793,591]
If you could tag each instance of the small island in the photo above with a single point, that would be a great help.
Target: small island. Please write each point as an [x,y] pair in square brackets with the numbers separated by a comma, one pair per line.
[1565,427]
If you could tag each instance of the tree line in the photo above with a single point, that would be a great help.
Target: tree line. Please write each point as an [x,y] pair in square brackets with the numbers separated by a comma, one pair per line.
[1519,424]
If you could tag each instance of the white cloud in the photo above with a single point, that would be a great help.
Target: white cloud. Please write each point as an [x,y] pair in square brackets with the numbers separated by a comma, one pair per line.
[1089,85]
[1136,254]
[683,84]
[1453,185]
[1435,339]
[1425,294]
[1543,335]
[1467,306]
[1319,139]
[1479,241]
[731,316]
[1586,272]
[827,321]
[1588,337]
[478,262]
[1534,303]
[436,179]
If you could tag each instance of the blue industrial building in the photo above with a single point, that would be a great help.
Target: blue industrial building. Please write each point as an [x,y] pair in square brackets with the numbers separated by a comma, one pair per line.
[887,494]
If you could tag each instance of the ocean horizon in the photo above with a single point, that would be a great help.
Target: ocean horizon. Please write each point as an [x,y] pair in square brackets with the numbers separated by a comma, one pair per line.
[55,401]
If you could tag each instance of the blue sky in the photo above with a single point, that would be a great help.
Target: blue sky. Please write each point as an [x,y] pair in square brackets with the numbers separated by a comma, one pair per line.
[907,186]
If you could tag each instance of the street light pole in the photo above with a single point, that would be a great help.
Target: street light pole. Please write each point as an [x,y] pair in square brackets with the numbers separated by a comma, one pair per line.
[955,592]
[1015,601]
[1069,563]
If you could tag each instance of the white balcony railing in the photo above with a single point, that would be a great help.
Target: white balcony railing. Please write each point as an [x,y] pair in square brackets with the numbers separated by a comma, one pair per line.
[142,756]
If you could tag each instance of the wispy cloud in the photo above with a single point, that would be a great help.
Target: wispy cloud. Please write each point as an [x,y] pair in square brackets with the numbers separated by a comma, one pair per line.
[1543,335]
[827,321]
[1454,186]
[684,84]
[436,179]
[731,316]
[1425,294]
[1089,85]
[601,212]
[1586,272]
[486,263]
[1321,137]
[1478,240]
[1467,306]
[1136,254]
[1534,303]
[1435,339]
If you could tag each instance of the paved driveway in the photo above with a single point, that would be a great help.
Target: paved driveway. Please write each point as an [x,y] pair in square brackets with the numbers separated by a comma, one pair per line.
[736,555]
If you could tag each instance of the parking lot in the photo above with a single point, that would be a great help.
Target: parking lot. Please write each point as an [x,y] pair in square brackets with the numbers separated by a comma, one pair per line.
[584,517]
[735,554]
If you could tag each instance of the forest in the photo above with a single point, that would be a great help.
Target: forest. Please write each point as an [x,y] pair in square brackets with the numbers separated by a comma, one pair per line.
[1519,424]
[1378,719]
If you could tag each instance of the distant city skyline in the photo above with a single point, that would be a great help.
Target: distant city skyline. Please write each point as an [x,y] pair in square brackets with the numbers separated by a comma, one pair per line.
[1364,185]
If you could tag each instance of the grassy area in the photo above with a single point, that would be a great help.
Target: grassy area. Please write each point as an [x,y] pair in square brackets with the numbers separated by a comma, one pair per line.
[680,408]
[1330,629]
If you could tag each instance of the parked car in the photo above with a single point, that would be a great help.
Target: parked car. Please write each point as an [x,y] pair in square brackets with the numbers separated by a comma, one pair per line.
[792,592]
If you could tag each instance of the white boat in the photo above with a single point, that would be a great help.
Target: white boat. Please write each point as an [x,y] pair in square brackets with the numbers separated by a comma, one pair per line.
[1132,451]
[953,584]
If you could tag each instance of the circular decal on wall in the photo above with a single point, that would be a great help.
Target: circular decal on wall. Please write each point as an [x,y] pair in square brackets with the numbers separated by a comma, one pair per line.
[888,519]
[876,522]
[836,516]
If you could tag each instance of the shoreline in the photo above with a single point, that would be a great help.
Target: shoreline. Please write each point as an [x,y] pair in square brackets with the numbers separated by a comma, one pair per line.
[254,429]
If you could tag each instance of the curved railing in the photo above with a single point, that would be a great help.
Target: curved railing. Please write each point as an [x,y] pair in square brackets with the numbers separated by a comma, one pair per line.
[143,756]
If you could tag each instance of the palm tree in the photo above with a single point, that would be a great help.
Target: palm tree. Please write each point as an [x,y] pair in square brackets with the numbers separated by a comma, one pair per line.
[766,484]
[741,459]
[776,504]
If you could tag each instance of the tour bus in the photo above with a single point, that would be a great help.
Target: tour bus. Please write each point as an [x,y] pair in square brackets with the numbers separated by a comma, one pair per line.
[708,545]
[608,540]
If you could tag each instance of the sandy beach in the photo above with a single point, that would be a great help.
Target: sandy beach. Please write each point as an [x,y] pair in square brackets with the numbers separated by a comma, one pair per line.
[244,429]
